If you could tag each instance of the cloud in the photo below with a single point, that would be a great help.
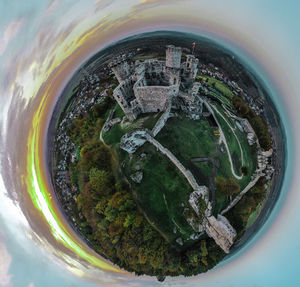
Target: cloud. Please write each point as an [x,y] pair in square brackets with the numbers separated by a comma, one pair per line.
[102,4]
[9,33]
[5,261]
[52,6]
[146,4]
[31,284]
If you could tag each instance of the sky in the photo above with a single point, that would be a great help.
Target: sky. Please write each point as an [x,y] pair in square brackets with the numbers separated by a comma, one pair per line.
[43,42]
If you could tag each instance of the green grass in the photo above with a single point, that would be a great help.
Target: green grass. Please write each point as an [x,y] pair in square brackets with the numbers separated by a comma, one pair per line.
[150,120]
[113,136]
[249,152]
[223,99]
[204,170]
[118,112]
[232,143]
[188,139]
[147,57]
[163,188]
[161,192]
[219,85]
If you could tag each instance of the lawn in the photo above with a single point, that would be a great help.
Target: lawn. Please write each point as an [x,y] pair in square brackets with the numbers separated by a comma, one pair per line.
[232,142]
[164,189]
[113,136]
[118,112]
[223,99]
[249,152]
[187,139]
[161,192]
[219,85]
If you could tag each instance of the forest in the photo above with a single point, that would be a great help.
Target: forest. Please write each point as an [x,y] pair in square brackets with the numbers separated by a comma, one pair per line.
[257,122]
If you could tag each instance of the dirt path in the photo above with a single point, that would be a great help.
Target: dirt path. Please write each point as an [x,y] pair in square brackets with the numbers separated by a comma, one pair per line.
[108,119]
[223,139]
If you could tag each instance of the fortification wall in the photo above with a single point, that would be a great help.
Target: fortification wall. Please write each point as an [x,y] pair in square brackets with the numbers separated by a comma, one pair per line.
[155,73]
[188,175]
[122,70]
[154,98]
[155,66]
[124,94]
[162,120]
[221,231]
[173,57]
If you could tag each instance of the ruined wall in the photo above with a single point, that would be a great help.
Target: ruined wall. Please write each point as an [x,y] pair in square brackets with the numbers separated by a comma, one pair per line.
[153,65]
[162,120]
[155,74]
[121,68]
[192,65]
[173,57]
[154,98]
[123,94]
[221,231]
[189,71]
[188,175]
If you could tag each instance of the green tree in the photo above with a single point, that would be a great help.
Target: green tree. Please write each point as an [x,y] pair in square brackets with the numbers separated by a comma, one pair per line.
[100,182]
[227,186]
[244,170]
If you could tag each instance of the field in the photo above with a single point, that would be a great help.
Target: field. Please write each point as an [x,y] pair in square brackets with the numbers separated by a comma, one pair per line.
[238,147]
[188,139]
[164,192]
[161,193]
[219,85]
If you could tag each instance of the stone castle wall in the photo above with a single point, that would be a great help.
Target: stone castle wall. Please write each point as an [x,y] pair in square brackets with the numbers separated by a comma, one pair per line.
[173,57]
[124,94]
[188,175]
[162,120]
[154,98]
[122,70]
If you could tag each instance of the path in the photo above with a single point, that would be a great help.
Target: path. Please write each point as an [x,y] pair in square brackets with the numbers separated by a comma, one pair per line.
[242,154]
[111,113]
[223,139]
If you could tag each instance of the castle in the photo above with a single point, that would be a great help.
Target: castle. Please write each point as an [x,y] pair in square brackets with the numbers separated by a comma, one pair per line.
[153,85]
[156,86]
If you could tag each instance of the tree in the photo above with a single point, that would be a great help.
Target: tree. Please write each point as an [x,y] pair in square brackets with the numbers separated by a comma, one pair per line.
[244,170]
[100,182]
[227,186]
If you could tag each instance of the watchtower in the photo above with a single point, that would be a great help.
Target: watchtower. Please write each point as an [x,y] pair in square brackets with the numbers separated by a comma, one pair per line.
[173,57]
[192,66]
[121,68]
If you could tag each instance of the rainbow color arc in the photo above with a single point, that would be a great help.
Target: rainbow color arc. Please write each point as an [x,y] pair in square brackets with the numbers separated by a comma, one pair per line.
[41,65]
[42,199]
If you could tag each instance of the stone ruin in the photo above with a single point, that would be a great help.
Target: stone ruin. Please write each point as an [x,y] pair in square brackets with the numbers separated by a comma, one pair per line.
[155,86]
[152,85]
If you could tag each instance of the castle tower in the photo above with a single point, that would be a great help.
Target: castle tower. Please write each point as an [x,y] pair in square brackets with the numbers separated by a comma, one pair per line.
[192,66]
[173,57]
[121,68]
[173,63]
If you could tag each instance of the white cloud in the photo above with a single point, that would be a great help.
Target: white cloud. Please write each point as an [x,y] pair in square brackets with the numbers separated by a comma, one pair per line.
[9,33]
[5,261]
[31,284]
